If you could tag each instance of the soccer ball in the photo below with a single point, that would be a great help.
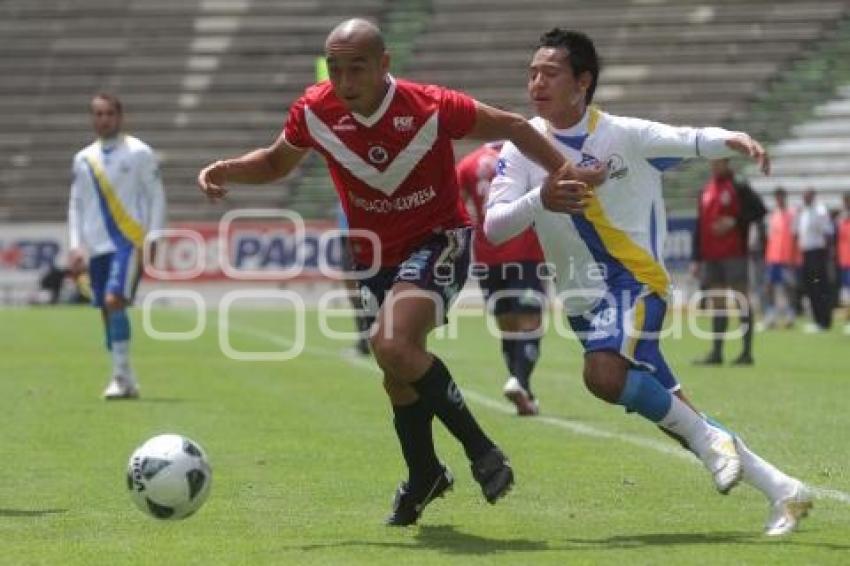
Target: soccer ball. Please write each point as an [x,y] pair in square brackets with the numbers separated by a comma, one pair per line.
[168,477]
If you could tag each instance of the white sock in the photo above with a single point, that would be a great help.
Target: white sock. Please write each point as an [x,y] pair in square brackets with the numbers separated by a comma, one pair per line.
[763,476]
[121,359]
[685,422]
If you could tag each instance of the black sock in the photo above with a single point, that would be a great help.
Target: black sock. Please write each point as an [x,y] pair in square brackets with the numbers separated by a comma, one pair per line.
[526,352]
[508,354]
[413,428]
[363,323]
[719,324]
[747,324]
[440,391]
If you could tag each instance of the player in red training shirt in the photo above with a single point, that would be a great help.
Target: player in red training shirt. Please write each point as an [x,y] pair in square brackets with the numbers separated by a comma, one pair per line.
[843,243]
[387,143]
[510,276]
[727,207]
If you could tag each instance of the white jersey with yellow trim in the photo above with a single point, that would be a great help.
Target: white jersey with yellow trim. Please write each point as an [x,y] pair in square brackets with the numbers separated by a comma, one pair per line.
[618,242]
[116,195]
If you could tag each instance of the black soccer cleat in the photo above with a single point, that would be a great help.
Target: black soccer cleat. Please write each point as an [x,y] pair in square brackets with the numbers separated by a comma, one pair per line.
[408,503]
[493,471]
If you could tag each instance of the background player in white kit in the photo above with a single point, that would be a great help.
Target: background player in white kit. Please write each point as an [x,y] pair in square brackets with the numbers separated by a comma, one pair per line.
[116,200]
[609,271]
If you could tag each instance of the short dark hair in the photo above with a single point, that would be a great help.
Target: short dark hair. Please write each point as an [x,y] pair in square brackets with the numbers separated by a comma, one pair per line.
[780,192]
[111,99]
[580,51]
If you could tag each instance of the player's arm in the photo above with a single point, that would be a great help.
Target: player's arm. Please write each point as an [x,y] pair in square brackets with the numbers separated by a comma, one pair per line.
[155,196]
[565,189]
[262,165]
[826,224]
[513,201]
[465,184]
[492,124]
[76,253]
[662,140]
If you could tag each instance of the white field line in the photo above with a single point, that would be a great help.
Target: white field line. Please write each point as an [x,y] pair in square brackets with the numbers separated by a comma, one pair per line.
[573,426]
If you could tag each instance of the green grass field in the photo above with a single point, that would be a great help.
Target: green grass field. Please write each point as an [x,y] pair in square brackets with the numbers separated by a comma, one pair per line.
[305,459]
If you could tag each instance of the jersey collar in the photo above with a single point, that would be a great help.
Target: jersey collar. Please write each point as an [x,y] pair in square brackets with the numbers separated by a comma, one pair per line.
[576,135]
[370,121]
[107,145]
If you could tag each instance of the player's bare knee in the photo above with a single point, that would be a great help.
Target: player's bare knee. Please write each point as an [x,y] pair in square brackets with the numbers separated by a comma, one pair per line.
[114,302]
[390,352]
[595,382]
[530,325]
[604,376]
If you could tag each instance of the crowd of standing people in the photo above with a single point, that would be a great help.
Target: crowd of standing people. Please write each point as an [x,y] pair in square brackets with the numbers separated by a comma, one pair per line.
[790,261]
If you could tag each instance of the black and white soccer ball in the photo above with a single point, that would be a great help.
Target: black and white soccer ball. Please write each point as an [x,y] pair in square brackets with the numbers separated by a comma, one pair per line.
[169,476]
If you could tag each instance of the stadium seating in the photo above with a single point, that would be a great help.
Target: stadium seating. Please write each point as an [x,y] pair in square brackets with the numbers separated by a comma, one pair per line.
[209,78]
[199,79]
[687,62]
[816,154]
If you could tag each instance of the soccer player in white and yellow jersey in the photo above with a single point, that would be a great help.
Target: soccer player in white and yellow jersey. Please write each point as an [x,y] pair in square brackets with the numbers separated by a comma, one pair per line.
[116,201]
[607,260]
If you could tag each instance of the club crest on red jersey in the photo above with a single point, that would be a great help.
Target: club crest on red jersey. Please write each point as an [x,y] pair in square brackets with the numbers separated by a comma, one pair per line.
[403,123]
[378,155]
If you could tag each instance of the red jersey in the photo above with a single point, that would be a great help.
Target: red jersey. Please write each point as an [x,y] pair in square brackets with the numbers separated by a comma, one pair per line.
[781,243]
[719,198]
[394,170]
[844,241]
[474,173]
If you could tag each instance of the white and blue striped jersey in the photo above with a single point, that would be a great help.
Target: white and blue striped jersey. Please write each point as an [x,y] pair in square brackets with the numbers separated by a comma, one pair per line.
[618,242]
[116,196]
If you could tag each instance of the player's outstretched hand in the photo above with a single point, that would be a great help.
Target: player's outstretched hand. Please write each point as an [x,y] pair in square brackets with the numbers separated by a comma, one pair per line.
[562,193]
[568,190]
[566,196]
[211,180]
[748,147]
[77,262]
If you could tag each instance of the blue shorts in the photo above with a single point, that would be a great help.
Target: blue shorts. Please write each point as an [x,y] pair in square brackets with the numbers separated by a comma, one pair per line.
[513,287]
[439,266]
[845,276]
[628,322]
[116,273]
[780,273]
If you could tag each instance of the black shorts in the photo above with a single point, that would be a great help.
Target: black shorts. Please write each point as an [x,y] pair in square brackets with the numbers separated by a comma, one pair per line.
[725,273]
[346,259]
[513,288]
[439,266]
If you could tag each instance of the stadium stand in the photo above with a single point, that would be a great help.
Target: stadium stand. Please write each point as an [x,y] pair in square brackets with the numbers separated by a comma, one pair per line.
[688,62]
[816,157]
[206,78]
[200,79]
[814,154]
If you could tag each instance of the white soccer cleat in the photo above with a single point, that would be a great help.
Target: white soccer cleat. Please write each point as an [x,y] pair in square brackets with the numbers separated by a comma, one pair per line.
[787,513]
[121,387]
[812,328]
[718,454]
[516,394]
